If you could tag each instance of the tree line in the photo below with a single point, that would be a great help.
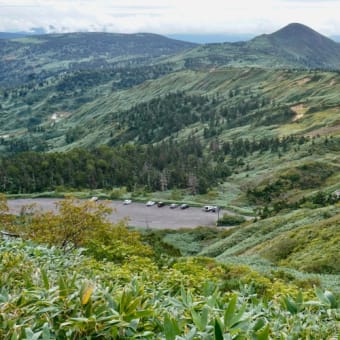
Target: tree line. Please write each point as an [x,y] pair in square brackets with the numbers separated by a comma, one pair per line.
[164,166]
[190,164]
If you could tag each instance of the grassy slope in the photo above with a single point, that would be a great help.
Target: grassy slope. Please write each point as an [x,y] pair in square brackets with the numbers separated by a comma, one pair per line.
[313,247]
[250,235]
[300,245]
[299,242]
[313,95]
[265,83]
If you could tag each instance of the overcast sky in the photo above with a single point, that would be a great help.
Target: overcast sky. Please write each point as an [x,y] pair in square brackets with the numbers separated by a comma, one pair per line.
[169,16]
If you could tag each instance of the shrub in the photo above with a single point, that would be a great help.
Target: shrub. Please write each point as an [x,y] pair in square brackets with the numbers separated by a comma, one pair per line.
[280,249]
[117,193]
[228,220]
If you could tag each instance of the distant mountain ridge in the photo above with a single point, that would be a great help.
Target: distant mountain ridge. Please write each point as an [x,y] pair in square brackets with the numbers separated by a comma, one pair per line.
[52,54]
[304,43]
[294,46]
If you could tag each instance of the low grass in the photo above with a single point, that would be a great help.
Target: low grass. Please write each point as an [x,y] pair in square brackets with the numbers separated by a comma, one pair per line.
[312,122]
[183,242]
[301,279]
[244,239]
[311,248]
[301,246]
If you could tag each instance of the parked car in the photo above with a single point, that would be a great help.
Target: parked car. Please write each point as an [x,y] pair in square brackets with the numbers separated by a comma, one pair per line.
[173,205]
[160,204]
[127,202]
[184,206]
[150,203]
[210,208]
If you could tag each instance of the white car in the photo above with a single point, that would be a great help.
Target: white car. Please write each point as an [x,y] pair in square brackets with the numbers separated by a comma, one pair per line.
[127,202]
[150,203]
[211,208]
[94,199]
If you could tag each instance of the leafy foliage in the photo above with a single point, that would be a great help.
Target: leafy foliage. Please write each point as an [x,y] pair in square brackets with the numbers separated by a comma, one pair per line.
[118,290]
[81,224]
[228,220]
[74,224]
[56,296]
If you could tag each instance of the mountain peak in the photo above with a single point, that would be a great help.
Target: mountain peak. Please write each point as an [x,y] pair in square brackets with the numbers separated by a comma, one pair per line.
[293,28]
[298,32]
[297,44]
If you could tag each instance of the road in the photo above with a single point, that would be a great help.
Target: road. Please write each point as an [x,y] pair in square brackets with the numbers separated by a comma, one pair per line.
[138,214]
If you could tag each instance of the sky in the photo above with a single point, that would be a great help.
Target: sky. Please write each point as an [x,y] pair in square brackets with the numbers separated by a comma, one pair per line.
[169,16]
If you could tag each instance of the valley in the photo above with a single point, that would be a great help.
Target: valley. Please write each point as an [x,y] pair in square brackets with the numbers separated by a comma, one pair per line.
[250,127]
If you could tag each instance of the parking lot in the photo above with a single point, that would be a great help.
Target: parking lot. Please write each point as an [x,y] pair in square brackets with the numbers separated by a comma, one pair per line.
[138,214]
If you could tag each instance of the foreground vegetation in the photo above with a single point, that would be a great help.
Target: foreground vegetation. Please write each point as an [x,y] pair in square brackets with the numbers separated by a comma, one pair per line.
[104,281]
[49,295]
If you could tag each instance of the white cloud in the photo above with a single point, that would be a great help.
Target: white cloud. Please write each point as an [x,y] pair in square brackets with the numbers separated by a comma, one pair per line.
[169,16]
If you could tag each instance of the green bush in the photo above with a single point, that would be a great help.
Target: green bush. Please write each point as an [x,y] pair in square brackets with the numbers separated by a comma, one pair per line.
[47,294]
[118,193]
[228,220]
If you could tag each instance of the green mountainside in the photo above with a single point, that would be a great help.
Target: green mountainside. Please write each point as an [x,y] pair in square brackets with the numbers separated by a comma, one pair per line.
[251,127]
[225,103]
[294,46]
[301,46]
[35,58]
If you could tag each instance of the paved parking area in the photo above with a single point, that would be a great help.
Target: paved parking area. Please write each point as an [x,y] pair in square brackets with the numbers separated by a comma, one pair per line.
[138,214]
